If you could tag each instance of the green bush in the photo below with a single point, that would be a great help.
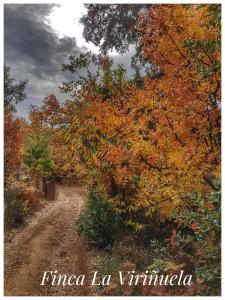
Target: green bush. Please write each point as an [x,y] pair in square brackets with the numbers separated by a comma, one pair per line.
[13,209]
[206,239]
[98,222]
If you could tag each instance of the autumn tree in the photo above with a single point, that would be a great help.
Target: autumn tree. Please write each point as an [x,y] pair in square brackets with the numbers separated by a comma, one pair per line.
[147,149]
[152,149]
[186,101]
[13,142]
[52,120]
[13,126]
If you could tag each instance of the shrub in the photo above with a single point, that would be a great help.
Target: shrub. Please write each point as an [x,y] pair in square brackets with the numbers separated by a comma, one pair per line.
[205,222]
[13,209]
[33,199]
[98,222]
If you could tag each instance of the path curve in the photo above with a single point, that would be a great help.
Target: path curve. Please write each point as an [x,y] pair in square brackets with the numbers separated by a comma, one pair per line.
[49,242]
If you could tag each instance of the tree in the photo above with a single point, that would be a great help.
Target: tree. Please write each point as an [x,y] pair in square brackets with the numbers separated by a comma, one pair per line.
[119,32]
[53,119]
[153,149]
[13,144]
[13,93]
[38,158]
[13,126]
[147,149]
[112,26]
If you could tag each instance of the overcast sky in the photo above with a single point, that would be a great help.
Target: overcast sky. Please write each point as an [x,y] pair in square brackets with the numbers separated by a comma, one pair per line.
[38,38]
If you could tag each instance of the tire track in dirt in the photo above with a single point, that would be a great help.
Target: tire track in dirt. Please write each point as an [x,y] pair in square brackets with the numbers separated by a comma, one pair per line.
[49,243]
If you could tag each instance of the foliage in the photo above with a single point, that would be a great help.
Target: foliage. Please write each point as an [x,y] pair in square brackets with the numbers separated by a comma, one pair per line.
[13,209]
[13,143]
[149,148]
[53,119]
[37,158]
[118,31]
[82,67]
[13,93]
[13,126]
[20,199]
[98,222]
[204,219]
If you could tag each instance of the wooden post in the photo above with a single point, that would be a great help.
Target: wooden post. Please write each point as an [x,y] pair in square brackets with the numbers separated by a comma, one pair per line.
[50,188]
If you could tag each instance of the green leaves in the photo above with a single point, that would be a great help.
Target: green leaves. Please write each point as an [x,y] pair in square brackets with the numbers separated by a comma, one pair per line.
[98,221]
[38,159]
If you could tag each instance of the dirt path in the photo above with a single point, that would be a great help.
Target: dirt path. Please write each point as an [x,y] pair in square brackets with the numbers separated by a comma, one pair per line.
[48,243]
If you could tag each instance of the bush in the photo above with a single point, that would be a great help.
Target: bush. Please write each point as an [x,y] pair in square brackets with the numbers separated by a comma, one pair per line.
[205,222]
[98,222]
[13,210]
[32,198]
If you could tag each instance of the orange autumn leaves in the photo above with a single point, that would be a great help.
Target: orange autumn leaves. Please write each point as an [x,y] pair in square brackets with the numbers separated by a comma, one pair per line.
[51,120]
[166,136]
[148,148]
[183,42]
[13,143]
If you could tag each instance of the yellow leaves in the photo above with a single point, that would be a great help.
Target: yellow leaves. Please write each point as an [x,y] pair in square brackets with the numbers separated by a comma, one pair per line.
[138,227]
[135,225]
[177,158]
[140,147]
[95,160]
[217,172]
[192,20]
[145,99]
[147,148]
[102,115]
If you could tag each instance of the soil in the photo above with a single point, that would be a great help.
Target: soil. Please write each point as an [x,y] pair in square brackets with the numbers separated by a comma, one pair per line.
[48,242]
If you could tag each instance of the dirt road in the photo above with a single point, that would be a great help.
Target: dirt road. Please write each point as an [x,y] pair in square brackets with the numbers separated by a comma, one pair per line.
[48,243]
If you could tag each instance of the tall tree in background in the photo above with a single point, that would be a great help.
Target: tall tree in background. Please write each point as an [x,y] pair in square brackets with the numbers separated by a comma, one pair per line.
[38,158]
[13,126]
[13,93]
[113,26]
[120,32]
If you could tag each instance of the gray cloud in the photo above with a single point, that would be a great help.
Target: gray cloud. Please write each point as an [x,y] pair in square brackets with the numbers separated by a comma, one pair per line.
[125,60]
[29,37]
[35,52]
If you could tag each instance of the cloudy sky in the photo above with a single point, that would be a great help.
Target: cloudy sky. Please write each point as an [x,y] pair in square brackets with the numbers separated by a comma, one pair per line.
[38,38]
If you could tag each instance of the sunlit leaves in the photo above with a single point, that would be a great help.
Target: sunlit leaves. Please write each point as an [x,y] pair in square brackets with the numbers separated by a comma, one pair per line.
[148,148]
